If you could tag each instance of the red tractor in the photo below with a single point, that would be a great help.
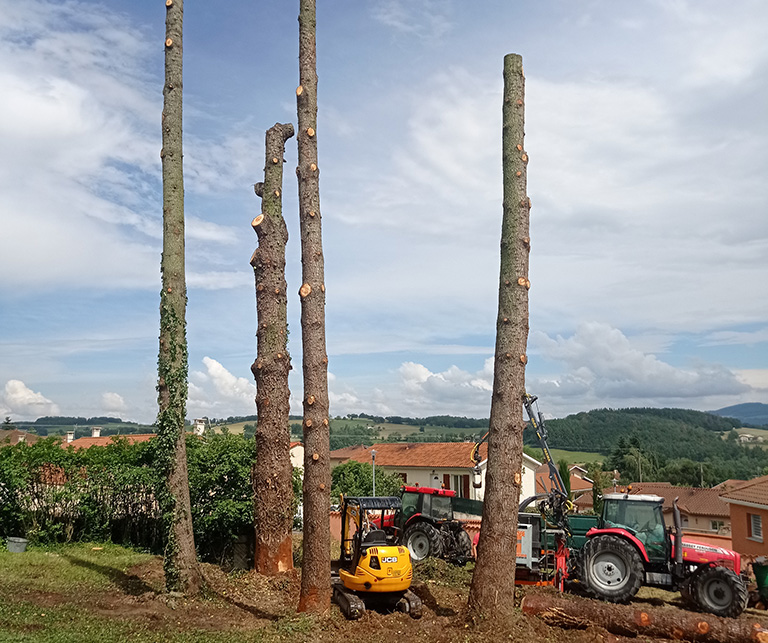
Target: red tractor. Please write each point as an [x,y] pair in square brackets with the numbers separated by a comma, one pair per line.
[631,546]
[428,527]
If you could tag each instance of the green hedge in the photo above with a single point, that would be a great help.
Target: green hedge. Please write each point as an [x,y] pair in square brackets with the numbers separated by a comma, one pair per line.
[49,494]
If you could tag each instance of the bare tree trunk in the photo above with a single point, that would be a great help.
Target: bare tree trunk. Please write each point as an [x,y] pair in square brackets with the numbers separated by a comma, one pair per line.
[272,471]
[633,620]
[182,572]
[493,579]
[316,566]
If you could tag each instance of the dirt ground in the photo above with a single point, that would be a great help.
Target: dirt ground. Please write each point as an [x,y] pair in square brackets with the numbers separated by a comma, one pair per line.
[249,603]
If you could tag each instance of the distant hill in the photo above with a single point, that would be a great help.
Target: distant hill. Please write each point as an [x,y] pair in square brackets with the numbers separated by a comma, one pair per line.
[751,413]
[600,430]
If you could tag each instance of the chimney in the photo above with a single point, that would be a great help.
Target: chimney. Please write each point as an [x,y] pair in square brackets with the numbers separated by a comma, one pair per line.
[70,436]
[95,431]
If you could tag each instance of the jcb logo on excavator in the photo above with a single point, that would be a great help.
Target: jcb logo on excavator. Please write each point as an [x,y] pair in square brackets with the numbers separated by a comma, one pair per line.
[389,559]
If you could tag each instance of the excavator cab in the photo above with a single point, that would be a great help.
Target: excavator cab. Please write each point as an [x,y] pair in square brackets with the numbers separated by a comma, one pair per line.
[372,568]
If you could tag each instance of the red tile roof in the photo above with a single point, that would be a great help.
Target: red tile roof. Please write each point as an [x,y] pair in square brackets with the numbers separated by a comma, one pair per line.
[543,483]
[87,443]
[14,436]
[457,455]
[754,491]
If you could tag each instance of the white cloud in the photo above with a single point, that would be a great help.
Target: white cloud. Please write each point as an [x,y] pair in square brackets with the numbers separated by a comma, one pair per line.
[451,391]
[113,402]
[24,403]
[603,367]
[423,19]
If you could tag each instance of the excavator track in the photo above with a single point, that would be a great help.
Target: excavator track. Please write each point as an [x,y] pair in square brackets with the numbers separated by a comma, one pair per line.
[411,604]
[350,604]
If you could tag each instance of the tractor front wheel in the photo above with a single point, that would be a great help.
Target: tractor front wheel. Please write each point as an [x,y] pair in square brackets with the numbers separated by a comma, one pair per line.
[422,540]
[719,591]
[611,568]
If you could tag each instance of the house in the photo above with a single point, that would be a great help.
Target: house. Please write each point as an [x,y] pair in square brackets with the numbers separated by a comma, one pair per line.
[433,464]
[103,441]
[580,485]
[297,455]
[748,505]
[704,515]
[14,436]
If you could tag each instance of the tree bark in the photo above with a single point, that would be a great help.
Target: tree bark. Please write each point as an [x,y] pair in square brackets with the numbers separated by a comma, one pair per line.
[315,571]
[493,579]
[272,471]
[182,572]
[631,620]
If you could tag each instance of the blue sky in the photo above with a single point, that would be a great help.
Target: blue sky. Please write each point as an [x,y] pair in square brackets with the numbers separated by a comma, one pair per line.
[647,138]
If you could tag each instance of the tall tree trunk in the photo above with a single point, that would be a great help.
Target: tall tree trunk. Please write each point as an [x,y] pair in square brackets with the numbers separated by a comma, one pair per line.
[316,565]
[272,472]
[493,579]
[182,572]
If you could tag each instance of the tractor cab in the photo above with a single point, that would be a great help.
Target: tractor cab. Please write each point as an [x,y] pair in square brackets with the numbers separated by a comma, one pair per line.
[642,516]
[433,504]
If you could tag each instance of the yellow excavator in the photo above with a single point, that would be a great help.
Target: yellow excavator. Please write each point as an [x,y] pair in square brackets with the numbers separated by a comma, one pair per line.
[372,570]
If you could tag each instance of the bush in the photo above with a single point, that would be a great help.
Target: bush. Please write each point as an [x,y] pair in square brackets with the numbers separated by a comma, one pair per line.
[50,494]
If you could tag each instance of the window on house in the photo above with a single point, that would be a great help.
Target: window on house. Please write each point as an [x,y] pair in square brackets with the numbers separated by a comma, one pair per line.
[755,527]
[716,525]
[404,477]
[461,485]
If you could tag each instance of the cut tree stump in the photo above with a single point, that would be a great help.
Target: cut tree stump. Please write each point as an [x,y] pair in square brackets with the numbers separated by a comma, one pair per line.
[632,620]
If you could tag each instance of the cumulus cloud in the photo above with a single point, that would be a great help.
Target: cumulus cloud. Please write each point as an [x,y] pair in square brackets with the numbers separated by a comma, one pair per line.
[602,365]
[113,402]
[24,403]
[453,391]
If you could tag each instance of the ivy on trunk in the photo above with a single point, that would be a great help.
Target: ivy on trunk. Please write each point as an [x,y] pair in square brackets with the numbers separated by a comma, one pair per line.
[182,572]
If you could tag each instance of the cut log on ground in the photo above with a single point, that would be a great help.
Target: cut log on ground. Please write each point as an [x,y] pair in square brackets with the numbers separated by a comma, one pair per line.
[632,620]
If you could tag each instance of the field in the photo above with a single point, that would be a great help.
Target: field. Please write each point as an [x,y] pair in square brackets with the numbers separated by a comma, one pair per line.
[88,592]
[85,592]
[387,430]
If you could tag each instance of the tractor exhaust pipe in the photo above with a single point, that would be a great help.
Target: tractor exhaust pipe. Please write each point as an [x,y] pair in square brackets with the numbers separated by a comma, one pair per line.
[678,538]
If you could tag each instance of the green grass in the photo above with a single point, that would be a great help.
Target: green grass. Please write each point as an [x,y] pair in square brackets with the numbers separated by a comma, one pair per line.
[45,595]
[577,457]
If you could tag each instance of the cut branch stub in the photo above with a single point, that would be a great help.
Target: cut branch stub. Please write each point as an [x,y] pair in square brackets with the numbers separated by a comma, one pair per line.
[299,90]
[521,281]
[257,221]
[168,3]
[315,457]
[311,400]
[523,359]
[275,160]
[169,42]
[310,132]
[305,290]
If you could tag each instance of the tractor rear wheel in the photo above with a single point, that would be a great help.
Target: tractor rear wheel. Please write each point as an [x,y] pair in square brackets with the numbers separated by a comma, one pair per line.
[422,540]
[611,568]
[719,591]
